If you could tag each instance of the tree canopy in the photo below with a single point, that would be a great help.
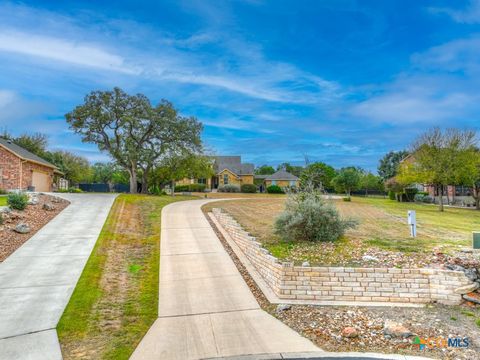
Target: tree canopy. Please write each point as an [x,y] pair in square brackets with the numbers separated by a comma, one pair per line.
[388,165]
[264,170]
[135,134]
[319,175]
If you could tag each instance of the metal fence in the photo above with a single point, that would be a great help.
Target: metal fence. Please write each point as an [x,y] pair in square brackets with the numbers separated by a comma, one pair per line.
[118,188]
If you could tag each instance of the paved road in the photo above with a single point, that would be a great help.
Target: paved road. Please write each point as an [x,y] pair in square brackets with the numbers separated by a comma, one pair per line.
[205,307]
[37,280]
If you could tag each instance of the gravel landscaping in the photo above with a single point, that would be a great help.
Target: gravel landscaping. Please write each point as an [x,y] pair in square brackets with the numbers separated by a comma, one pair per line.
[19,226]
[368,329]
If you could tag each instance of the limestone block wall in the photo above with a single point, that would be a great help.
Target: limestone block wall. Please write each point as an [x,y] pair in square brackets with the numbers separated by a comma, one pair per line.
[292,282]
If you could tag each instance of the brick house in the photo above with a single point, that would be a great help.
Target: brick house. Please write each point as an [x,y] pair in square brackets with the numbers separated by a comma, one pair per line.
[22,170]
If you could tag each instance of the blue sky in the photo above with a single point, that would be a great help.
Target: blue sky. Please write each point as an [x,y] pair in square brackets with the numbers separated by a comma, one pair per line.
[340,81]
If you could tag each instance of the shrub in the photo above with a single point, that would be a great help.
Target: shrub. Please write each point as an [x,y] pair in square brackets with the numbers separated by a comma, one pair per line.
[190,187]
[248,188]
[274,189]
[74,190]
[427,199]
[418,197]
[410,193]
[17,201]
[347,199]
[229,188]
[309,218]
[3,191]
[391,195]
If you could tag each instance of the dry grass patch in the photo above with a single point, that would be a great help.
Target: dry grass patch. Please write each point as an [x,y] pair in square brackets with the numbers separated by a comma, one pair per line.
[382,232]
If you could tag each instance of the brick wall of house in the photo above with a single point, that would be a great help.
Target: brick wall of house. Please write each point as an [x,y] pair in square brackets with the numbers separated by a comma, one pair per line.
[9,170]
[16,173]
[29,168]
[291,282]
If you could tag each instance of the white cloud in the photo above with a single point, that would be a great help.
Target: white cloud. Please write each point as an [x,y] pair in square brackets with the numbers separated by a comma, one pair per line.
[64,50]
[6,97]
[469,15]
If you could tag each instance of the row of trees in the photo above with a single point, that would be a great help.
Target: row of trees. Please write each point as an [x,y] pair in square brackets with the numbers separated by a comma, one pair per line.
[323,176]
[437,158]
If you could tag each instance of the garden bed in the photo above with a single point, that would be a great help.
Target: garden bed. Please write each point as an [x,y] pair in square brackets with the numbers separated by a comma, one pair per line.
[35,216]
[381,239]
[324,324]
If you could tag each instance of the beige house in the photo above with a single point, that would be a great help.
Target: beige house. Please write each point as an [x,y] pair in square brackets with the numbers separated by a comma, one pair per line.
[229,170]
[281,178]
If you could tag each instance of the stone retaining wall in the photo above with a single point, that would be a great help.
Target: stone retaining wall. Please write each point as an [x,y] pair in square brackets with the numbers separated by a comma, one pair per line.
[291,282]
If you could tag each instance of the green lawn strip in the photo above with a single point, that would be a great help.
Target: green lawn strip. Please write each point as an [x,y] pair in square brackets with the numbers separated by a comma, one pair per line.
[3,201]
[452,219]
[84,329]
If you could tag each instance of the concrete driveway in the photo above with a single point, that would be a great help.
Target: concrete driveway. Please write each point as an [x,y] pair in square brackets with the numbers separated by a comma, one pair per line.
[37,280]
[206,309]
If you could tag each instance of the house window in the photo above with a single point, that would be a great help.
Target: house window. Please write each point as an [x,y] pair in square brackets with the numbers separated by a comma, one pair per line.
[274,182]
[202,181]
[293,183]
[225,179]
[463,191]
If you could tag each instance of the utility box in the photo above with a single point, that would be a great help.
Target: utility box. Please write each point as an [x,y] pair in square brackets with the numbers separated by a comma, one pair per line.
[412,222]
[476,240]
[412,217]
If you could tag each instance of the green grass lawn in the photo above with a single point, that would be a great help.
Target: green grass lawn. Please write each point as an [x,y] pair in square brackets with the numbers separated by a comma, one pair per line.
[382,226]
[3,200]
[116,299]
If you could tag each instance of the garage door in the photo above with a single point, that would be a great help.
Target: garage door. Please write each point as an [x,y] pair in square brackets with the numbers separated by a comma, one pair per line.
[41,181]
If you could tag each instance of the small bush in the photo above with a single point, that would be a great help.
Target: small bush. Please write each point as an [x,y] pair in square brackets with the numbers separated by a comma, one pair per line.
[74,190]
[418,197]
[274,189]
[3,191]
[309,218]
[347,199]
[229,188]
[190,188]
[391,195]
[17,201]
[248,188]
[427,199]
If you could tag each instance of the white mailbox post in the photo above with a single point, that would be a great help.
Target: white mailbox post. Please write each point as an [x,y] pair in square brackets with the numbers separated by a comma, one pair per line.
[412,221]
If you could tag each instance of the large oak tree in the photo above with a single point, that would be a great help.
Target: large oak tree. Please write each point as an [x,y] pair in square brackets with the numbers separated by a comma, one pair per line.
[134,133]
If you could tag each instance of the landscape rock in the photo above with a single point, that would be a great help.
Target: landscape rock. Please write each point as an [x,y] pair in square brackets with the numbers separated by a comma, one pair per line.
[455,267]
[48,207]
[467,289]
[350,332]
[56,200]
[32,199]
[22,228]
[471,274]
[305,264]
[283,307]
[369,258]
[394,329]
[472,297]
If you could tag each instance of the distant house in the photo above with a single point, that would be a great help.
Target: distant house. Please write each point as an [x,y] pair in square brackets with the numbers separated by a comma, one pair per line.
[228,170]
[22,170]
[281,178]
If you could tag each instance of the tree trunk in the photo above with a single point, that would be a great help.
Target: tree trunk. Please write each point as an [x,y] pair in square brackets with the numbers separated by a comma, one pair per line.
[173,187]
[476,196]
[440,203]
[133,180]
[145,181]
